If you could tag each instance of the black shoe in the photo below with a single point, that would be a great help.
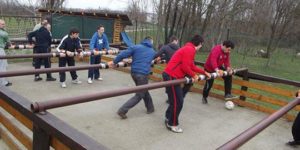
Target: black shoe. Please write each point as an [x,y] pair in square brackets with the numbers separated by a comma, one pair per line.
[230,97]
[150,111]
[204,100]
[37,78]
[8,84]
[122,115]
[293,143]
[51,79]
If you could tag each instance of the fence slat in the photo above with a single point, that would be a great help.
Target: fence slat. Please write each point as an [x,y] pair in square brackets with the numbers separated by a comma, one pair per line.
[56,144]
[264,87]
[20,117]
[9,141]
[245,104]
[14,130]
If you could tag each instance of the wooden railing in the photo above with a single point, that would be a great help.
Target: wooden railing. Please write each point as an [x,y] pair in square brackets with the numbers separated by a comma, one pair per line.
[46,129]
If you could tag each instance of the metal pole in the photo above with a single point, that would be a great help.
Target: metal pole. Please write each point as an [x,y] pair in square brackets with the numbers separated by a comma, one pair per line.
[254,130]
[60,69]
[58,54]
[42,106]
[30,46]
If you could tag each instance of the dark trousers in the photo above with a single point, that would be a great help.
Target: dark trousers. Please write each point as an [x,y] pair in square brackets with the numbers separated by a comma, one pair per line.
[296,128]
[209,84]
[175,96]
[185,89]
[138,79]
[38,61]
[94,73]
[62,63]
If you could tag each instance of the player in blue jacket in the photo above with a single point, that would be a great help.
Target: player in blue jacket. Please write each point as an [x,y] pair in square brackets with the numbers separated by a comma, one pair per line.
[98,42]
[142,56]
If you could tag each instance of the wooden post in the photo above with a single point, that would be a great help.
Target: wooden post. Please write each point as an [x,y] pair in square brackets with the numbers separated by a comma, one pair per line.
[41,140]
[244,88]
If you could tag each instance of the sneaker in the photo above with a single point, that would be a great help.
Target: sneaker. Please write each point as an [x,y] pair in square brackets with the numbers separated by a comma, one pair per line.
[76,81]
[63,85]
[150,111]
[204,100]
[8,84]
[230,97]
[51,79]
[293,143]
[122,115]
[89,81]
[174,129]
[100,79]
[38,78]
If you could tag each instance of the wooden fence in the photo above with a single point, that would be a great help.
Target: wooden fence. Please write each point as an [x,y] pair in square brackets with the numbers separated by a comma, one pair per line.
[46,129]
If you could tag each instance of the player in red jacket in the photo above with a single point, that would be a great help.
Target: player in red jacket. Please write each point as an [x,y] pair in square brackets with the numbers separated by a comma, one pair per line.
[181,65]
[219,61]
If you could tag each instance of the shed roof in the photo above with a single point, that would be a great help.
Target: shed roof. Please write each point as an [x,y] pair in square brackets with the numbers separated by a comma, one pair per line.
[102,14]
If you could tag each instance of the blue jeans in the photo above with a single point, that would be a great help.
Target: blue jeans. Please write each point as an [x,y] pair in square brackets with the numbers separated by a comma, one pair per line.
[94,73]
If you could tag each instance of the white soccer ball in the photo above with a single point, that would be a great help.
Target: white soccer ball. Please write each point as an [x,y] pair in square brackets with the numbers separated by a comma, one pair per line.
[229,105]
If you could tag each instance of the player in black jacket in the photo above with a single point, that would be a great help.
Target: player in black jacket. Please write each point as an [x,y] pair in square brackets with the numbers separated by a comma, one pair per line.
[69,43]
[42,44]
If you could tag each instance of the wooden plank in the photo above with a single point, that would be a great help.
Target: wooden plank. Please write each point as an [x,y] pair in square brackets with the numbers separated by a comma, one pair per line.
[264,87]
[263,98]
[56,144]
[20,117]
[245,104]
[8,140]
[256,96]
[16,132]
[155,70]
[154,78]
[262,109]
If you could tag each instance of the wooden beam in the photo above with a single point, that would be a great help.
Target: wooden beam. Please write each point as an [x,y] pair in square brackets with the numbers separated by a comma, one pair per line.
[16,132]
[8,140]
[56,144]
[20,117]
[264,87]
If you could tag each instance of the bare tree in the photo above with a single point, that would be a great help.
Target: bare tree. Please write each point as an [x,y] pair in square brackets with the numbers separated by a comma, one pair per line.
[52,4]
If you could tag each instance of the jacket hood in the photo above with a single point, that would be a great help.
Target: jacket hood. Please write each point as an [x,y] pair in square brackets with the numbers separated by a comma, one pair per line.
[173,46]
[147,43]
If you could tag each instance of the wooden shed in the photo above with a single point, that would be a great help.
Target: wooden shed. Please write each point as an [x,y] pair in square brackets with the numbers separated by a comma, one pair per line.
[87,22]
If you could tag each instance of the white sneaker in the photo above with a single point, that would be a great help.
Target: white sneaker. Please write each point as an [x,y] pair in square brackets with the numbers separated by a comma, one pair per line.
[175,129]
[76,81]
[100,79]
[63,85]
[89,81]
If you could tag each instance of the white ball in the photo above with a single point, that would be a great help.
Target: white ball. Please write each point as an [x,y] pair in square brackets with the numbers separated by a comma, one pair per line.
[229,105]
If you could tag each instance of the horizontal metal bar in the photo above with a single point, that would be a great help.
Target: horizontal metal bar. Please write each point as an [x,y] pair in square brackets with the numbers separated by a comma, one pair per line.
[257,128]
[60,54]
[42,106]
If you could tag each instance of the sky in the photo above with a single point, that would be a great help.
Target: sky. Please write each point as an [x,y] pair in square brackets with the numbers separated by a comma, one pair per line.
[120,5]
